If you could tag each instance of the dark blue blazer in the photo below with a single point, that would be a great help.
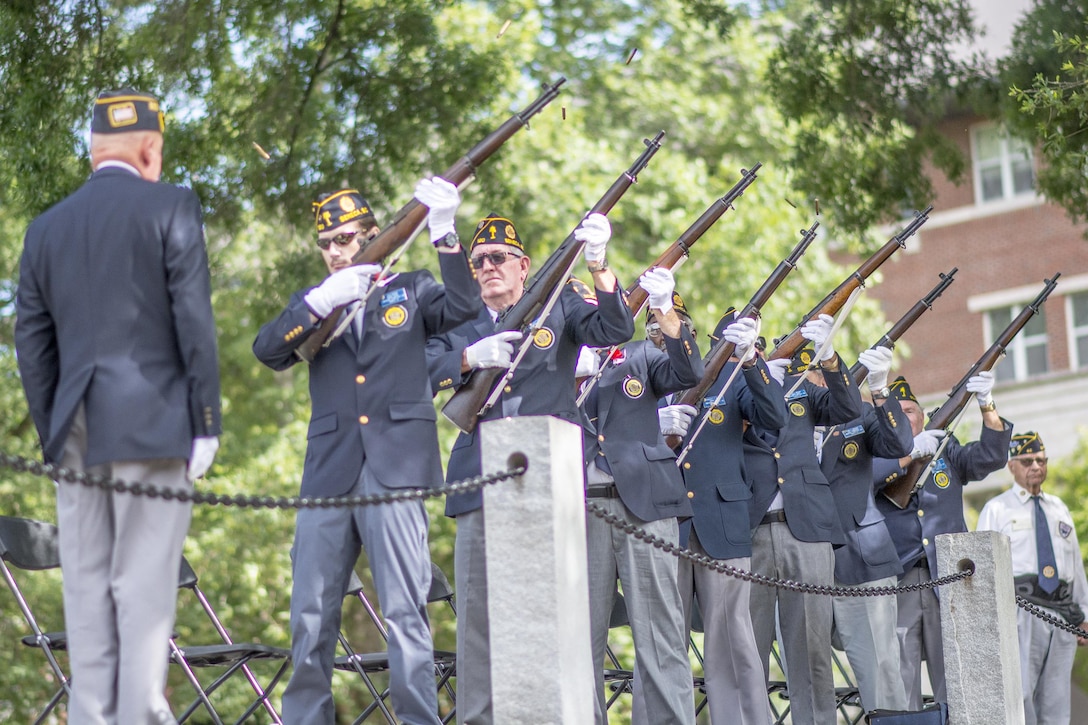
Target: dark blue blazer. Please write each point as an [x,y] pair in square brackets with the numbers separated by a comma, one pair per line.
[371,399]
[626,429]
[114,311]
[787,462]
[938,507]
[714,470]
[847,462]
[543,383]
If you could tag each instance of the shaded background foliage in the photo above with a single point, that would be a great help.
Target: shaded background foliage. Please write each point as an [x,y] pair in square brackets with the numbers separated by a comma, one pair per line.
[837,100]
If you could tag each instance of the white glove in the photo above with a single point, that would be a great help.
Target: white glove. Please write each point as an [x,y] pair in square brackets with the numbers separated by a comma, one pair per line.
[342,287]
[494,351]
[200,460]
[659,284]
[777,369]
[595,231]
[742,333]
[817,330]
[588,363]
[442,199]
[982,385]
[674,420]
[926,443]
[879,361]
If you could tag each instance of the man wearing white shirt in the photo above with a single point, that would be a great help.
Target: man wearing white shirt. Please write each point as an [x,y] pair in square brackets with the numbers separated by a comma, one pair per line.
[1048,571]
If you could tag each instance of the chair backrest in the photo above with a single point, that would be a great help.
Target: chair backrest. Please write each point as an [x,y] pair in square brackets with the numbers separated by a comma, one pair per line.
[28,544]
[440,586]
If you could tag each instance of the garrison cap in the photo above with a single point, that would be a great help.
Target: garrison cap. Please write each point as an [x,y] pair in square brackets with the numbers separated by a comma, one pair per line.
[726,320]
[495,229]
[801,360]
[900,390]
[1025,443]
[677,304]
[125,110]
[340,207]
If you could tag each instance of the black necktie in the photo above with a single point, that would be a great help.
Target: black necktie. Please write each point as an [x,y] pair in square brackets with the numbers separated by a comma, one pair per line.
[1048,566]
[592,405]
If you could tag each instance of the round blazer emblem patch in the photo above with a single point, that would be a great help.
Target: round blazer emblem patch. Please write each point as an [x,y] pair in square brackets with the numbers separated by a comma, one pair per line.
[716,416]
[941,479]
[544,338]
[797,409]
[395,316]
[633,388]
[850,450]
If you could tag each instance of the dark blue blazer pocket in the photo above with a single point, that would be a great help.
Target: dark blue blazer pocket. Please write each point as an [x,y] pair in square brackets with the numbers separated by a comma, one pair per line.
[734,491]
[412,411]
[658,452]
[322,425]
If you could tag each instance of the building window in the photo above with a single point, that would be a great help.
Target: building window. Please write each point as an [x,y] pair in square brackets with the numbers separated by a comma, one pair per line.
[1026,355]
[1003,165]
[1078,318]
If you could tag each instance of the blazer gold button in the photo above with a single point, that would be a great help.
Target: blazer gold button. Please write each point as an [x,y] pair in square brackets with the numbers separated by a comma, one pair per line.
[781,480]
[925,542]
[363,419]
[921,512]
[507,389]
[600,437]
[687,466]
[691,494]
[777,454]
[360,379]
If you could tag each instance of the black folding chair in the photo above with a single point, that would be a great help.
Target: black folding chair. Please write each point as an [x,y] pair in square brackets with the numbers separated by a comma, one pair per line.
[235,657]
[32,545]
[618,680]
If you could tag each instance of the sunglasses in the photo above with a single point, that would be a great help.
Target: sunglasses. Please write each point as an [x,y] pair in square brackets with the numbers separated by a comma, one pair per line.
[1029,462]
[496,259]
[344,239]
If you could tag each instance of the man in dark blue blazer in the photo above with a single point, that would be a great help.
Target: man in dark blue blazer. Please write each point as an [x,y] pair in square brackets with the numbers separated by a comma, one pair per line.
[797,525]
[631,473]
[714,475]
[864,627]
[937,508]
[543,384]
[370,403]
[117,351]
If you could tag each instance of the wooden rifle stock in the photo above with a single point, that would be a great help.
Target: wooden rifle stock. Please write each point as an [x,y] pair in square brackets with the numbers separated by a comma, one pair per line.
[719,354]
[859,371]
[671,257]
[900,491]
[465,406]
[791,343]
[413,214]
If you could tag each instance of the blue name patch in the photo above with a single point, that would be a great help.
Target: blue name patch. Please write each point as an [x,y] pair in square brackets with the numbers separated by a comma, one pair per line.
[799,393]
[391,298]
[940,465]
[855,431]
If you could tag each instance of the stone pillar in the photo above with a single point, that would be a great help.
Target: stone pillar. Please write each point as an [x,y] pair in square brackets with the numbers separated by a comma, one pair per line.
[538,586]
[978,626]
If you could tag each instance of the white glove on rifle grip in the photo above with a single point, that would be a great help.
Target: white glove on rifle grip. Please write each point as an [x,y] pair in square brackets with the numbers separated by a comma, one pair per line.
[595,231]
[442,199]
[674,420]
[878,360]
[340,288]
[742,333]
[982,386]
[659,284]
[926,443]
[494,351]
[817,330]
[201,457]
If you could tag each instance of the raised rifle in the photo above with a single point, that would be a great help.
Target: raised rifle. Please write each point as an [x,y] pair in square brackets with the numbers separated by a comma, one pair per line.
[480,391]
[830,305]
[722,350]
[411,217]
[900,491]
[677,253]
[859,371]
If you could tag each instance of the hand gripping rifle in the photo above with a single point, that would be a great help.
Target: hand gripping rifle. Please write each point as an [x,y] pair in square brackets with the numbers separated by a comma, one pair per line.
[945,416]
[480,391]
[677,253]
[722,350]
[859,371]
[411,217]
[830,305]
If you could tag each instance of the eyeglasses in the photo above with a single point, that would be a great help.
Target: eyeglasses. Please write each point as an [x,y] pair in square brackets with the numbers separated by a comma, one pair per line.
[1029,462]
[496,258]
[653,330]
[345,238]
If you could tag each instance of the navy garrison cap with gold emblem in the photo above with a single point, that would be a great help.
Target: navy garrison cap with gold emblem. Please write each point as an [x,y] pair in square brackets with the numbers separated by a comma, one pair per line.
[1025,443]
[900,390]
[126,110]
[801,360]
[340,207]
[727,319]
[495,229]
[677,304]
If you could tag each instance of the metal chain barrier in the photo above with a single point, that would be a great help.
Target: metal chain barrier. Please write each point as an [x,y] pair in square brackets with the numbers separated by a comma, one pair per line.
[68,475]
[1049,618]
[717,565]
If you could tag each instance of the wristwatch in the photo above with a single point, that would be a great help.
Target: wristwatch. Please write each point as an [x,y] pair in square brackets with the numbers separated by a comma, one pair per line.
[988,407]
[882,394]
[447,241]
[597,266]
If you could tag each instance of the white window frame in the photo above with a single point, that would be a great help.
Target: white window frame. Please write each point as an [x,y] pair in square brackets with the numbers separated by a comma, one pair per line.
[1017,349]
[1074,331]
[1005,162]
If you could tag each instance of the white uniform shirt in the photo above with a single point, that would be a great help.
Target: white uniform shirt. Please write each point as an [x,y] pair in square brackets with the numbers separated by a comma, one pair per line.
[1013,513]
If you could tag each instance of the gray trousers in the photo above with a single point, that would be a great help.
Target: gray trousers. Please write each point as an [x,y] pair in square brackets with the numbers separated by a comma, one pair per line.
[1046,668]
[327,543]
[473,625]
[919,631]
[864,627]
[654,609]
[805,618]
[120,557]
[736,686]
